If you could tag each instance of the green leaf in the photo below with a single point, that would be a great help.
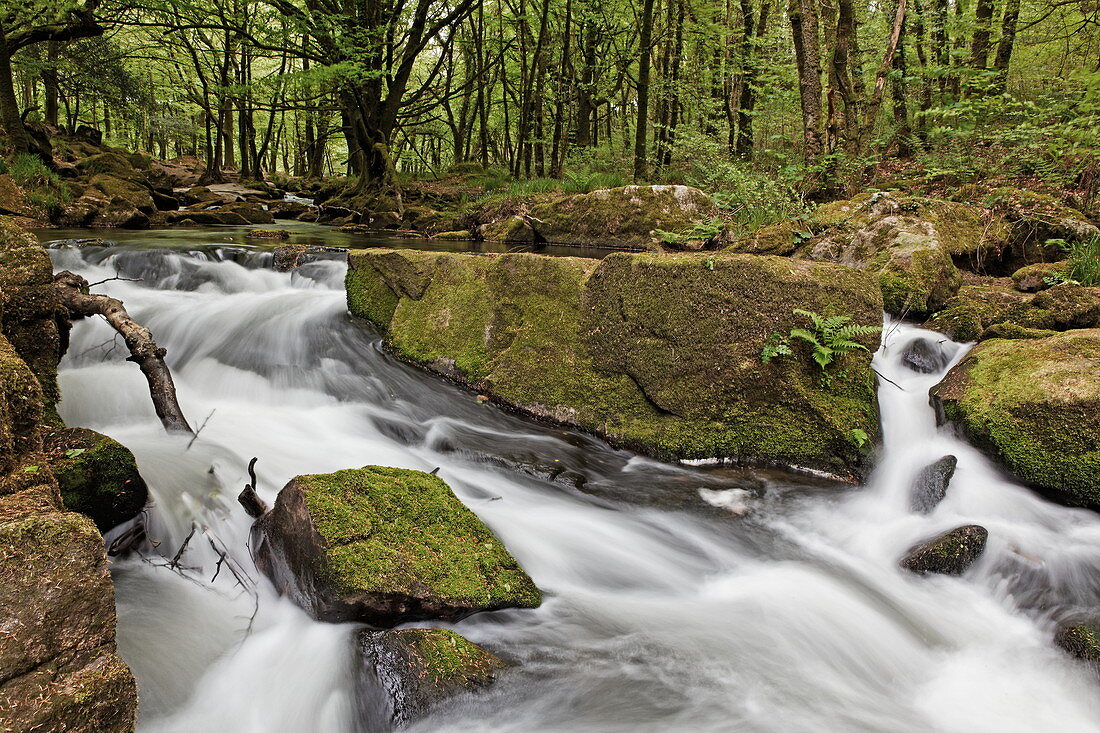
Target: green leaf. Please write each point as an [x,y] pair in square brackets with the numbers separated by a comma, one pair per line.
[74,452]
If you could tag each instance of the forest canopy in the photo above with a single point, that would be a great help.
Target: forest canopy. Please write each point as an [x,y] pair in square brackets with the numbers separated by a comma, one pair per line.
[783,100]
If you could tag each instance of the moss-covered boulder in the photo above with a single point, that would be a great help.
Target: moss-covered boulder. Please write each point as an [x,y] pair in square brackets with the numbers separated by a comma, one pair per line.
[96,475]
[57,658]
[657,352]
[418,668]
[907,241]
[1040,276]
[950,553]
[1034,220]
[29,304]
[628,217]
[1033,405]
[385,546]
[252,213]
[994,308]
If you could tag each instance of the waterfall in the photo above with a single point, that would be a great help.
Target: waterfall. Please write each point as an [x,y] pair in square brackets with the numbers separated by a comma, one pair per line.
[677,598]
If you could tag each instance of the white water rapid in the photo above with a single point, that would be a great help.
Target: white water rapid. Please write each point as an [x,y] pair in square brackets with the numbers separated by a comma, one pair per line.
[665,610]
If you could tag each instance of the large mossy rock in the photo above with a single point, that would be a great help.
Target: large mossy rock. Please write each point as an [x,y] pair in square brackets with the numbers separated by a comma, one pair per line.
[58,667]
[96,475]
[906,241]
[29,304]
[656,352]
[419,668]
[628,217]
[1033,405]
[995,309]
[385,546]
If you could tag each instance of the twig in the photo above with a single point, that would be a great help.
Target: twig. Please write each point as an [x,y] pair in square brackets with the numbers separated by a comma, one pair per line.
[196,435]
[179,553]
[116,277]
[891,381]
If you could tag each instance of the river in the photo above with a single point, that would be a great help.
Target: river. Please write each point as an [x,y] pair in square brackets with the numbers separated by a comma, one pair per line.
[677,598]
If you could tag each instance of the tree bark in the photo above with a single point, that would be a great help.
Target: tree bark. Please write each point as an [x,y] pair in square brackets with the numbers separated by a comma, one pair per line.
[72,289]
[640,131]
[9,105]
[804,32]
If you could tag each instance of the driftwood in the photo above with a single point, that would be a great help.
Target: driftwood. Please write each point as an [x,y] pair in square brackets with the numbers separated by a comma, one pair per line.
[73,291]
[249,499]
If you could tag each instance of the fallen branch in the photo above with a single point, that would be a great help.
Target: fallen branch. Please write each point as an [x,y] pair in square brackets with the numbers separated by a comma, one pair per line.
[73,292]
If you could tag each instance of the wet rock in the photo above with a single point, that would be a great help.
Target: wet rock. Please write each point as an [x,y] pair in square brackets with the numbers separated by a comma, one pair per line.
[252,213]
[659,352]
[458,235]
[1033,406]
[924,356]
[418,668]
[198,195]
[385,546]
[1080,641]
[267,235]
[931,483]
[97,476]
[164,201]
[951,553]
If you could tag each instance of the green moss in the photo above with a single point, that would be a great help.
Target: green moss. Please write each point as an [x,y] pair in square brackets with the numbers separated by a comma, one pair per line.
[449,658]
[398,531]
[21,408]
[916,275]
[97,476]
[658,352]
[1034,404]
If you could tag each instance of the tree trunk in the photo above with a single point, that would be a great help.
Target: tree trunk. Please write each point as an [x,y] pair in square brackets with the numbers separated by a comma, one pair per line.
[1005,45]
[9,106]
[804,31]
[640,131]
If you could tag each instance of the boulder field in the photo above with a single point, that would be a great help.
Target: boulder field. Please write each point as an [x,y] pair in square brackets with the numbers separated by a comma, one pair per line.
[658,352]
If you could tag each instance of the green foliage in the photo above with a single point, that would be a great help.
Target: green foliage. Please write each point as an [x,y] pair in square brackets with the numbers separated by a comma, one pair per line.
[778,345]
[859,436]
[29,171]
[1084,262]
[829,338]
[703,232]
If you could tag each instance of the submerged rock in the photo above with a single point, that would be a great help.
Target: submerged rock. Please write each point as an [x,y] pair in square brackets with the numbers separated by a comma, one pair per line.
[950,553]
[931,483]
[418,668]
[97,476]
[925,356]
[267,235]
[659,352]
[1033,405]
[385,546]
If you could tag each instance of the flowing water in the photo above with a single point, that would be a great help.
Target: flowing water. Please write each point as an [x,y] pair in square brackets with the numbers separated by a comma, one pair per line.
[677,598]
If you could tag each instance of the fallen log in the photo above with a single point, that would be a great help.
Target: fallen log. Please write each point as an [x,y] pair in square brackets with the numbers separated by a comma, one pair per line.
[72,289]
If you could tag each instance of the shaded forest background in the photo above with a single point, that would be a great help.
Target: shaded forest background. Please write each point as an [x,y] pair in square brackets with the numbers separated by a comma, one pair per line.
[764,104]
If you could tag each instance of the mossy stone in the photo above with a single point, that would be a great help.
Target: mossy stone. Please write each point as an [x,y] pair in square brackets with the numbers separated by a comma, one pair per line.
[1034,406]
[97,476]
[385,546]
[656,352]
[950,553]
[419,668]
